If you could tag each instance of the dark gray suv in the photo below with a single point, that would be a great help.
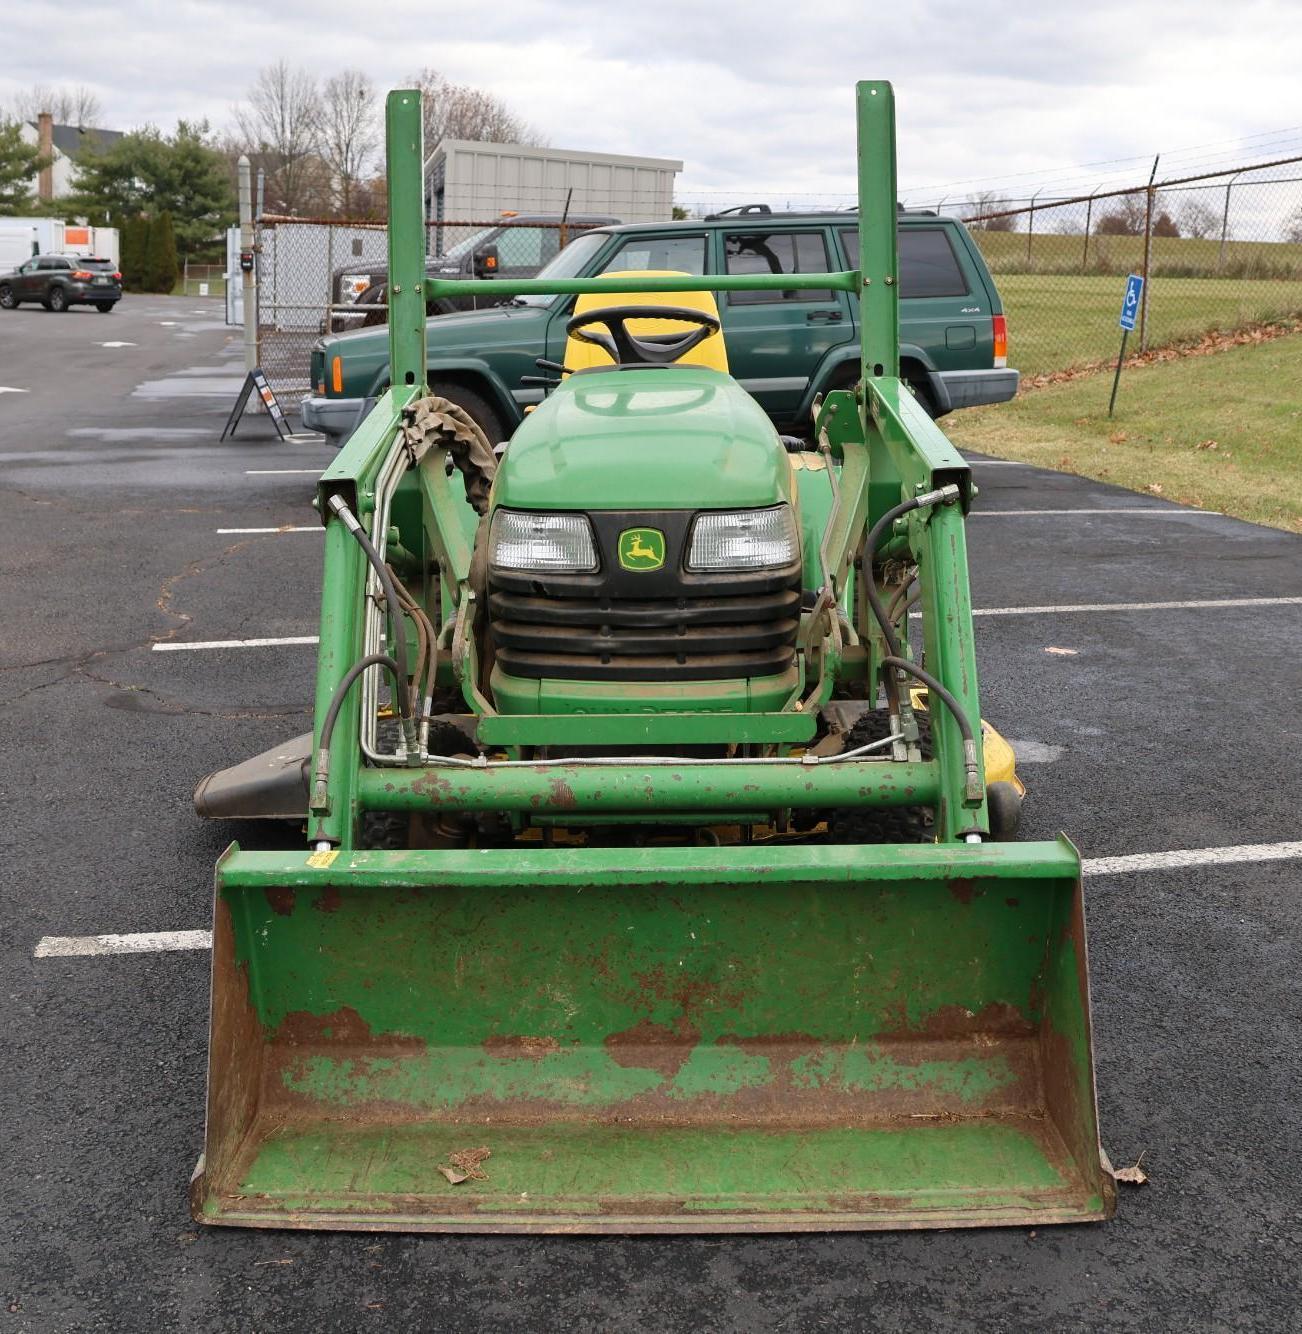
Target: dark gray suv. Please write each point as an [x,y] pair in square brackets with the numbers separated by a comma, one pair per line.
[60,281]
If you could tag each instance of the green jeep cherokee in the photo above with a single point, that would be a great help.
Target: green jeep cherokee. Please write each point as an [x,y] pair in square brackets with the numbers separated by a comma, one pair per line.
[784,347]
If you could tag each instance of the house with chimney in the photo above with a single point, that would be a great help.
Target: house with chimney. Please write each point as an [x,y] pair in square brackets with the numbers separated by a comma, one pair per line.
[64,145]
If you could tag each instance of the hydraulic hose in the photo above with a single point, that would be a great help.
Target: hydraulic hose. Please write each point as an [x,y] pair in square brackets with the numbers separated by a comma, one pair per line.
[322,780]
[397,630]
[944,494]
[971,771]
[896,659]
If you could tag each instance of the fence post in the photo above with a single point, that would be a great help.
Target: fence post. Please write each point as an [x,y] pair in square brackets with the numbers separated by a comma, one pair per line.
[1225,221]
[1089,213]
[328,326]
[1030,227]
[248,280]
[1148,256]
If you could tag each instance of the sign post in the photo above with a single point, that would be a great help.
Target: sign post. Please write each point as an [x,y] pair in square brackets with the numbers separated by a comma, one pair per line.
[1130,307]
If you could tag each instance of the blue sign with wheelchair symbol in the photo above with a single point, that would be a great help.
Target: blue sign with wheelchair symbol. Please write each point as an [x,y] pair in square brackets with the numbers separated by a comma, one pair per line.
[1130,306]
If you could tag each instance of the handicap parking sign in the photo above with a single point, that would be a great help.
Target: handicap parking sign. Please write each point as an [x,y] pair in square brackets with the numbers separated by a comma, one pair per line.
[1130,306]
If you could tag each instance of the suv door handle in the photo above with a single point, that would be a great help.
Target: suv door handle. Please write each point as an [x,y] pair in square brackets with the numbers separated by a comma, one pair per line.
[823,316]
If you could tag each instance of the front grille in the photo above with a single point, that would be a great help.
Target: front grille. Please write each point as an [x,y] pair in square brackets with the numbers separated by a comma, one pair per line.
[698,638]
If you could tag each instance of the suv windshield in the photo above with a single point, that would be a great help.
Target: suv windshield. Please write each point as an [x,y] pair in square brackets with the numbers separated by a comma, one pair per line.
[464,247]
[574,257]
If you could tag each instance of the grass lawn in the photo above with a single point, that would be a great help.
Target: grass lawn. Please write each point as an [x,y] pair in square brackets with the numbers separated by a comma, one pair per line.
[1005,252]
[1058,321]
[1221,432]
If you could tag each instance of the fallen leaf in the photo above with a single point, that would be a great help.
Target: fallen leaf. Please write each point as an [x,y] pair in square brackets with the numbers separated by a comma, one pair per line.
[1118,438]
[1134,1175]
[1154,488]
[455,1177]
[1207,444]
[469,1160]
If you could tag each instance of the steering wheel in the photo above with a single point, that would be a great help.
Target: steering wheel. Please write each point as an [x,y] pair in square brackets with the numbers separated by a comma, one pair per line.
[652,350]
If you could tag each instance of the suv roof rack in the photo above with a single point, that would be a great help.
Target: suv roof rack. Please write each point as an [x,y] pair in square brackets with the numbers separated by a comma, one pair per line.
[741,210]
[766,210]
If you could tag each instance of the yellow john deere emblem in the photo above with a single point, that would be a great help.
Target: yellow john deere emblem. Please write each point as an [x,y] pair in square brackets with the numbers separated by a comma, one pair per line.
[641,548]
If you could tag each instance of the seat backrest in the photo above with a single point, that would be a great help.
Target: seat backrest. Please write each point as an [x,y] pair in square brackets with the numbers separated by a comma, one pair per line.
[710,352]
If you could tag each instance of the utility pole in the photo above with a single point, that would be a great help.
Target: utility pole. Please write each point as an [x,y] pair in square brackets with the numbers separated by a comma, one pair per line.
[248,279]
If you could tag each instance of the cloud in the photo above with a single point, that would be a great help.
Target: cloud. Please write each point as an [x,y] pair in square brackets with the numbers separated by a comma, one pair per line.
[755,98]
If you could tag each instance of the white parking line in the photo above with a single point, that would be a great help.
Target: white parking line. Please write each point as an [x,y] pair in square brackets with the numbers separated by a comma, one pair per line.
[142,942]
[152,942]
[1195,604]
[288,528]
[1168,861]
[177,646]
[1164,510]
[8,389]
[280,472]
[174,646]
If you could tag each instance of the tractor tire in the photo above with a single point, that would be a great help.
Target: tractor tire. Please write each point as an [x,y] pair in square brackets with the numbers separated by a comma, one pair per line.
[487,417]
[57,301]
[923,394]
[892,824]
[8,301]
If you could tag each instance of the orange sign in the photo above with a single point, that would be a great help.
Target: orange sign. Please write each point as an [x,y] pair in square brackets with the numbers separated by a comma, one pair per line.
[76,236]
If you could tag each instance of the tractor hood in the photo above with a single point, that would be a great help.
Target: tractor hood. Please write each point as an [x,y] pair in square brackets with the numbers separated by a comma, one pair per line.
[670,437]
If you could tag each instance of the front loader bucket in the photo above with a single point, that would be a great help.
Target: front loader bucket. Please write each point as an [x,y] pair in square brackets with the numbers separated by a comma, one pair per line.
[651,1040]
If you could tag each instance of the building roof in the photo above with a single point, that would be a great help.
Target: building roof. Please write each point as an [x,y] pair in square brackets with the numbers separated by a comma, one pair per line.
[73,140]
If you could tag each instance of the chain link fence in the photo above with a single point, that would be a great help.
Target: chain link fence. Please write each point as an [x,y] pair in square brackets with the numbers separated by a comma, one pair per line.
[320,274]
[1218,252]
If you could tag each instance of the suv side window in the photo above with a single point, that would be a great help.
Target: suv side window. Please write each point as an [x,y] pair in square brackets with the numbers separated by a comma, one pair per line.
[684,253]
[47,264]
[776,252]
[928,265]
[525,247]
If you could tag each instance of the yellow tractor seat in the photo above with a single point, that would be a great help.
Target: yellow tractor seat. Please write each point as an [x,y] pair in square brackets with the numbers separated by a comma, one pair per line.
[711,352]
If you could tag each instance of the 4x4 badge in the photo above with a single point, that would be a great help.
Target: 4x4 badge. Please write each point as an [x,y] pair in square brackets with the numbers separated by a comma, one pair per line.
[641,548]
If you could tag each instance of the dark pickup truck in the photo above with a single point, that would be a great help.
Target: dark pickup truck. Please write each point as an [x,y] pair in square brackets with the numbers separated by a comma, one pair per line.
[516,246]
[784,347]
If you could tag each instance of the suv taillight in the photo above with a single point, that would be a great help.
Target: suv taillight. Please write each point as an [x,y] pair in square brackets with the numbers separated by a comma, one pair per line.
[82,274]
[1001,340]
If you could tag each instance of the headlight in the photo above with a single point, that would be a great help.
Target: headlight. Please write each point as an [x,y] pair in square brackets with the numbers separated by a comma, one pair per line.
[561,543]
[352,285]
[744,539]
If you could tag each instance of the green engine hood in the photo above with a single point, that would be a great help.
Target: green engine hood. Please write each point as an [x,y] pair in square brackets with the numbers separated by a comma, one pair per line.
[679,437]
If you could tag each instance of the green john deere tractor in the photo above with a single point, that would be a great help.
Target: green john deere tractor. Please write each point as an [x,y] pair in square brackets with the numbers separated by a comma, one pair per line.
[651,883]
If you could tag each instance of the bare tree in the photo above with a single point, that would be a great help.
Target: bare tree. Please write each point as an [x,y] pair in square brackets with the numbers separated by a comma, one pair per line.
[1293,227]
[457,111]
[1199,219]
[69,106]
[282,125]
[1126,214]
[349,133]
[983,205]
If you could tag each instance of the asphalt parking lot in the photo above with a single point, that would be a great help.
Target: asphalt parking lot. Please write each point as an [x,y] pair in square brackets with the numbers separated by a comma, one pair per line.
[1153,694]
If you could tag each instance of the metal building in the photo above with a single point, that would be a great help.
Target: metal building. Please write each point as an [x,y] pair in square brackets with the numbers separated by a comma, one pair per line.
[467,181]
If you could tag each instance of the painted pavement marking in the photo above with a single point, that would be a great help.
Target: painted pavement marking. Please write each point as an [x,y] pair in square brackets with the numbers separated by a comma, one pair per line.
[178,646]
[154,942]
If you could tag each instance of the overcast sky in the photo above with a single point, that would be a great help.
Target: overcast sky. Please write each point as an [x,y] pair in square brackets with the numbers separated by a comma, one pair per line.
[755,96]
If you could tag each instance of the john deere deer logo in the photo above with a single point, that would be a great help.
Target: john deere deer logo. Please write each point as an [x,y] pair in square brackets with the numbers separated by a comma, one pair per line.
[641,549]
